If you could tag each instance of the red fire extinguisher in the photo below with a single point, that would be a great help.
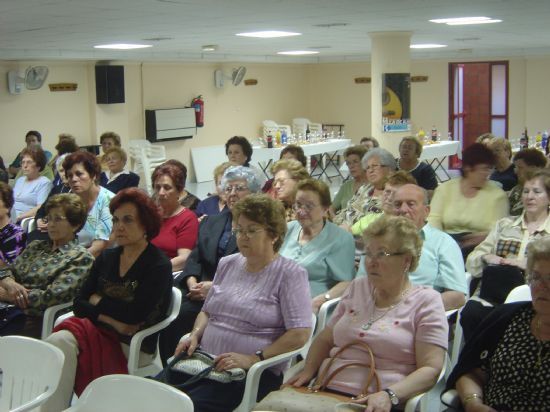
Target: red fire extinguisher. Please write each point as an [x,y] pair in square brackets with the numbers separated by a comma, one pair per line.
[198,105]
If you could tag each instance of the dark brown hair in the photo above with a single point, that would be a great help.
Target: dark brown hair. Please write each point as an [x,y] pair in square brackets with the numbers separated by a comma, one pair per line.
[88,160]
[37,155]
[173,172]
[148,213]
[72,205]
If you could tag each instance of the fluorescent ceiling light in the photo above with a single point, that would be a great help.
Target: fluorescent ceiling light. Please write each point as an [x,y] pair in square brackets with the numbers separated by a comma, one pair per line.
[298,52]
[122,46]
[268,34]
[209,47]
[427,46]
[458,21]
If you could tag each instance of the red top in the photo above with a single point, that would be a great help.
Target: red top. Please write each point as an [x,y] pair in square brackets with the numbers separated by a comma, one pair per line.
[177,232]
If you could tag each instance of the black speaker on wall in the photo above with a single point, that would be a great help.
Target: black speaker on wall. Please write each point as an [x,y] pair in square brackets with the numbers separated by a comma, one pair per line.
[109,84]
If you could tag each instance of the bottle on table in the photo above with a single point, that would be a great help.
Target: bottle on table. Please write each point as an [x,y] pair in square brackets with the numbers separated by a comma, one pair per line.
[284,138]
[269,140]
[434,134]
[278,138]
[538,140]
[544,142]
[308,133]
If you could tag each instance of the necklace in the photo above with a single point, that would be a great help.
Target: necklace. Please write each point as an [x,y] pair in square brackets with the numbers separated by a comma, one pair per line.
[373,319]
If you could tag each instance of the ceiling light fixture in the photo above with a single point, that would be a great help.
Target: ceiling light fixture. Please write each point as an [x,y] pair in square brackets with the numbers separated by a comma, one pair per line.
[268,34]
[427,46]
[122,46]
[209,47]
[298,52]
[459,21]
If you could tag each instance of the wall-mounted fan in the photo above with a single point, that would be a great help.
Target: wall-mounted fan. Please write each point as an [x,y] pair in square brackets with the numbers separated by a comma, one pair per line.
[236,77]
[33,78]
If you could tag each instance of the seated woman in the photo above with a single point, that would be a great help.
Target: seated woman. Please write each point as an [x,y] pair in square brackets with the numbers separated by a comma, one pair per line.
[82,170]
[503,251]
[318,245]
[504,172]
[369,142]
[378,164]
[410,150]
[117,177]
[290,151]
[254,310]
[286,176]
[524,160]
[66,144]
[31,189]
[404,325]
[353,156]
[41,231]
[49,272]
[214,242]
[215,203]
[107,140]
[238,151]
[12,237]
[179,229]
[505,366]
[187,199]
[128,289]
[468,207]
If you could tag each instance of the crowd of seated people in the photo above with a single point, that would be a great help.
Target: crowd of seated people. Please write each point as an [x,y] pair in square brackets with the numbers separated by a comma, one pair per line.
[253,267]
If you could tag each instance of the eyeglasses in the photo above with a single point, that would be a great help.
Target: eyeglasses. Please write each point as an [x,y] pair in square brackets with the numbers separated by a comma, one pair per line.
[352,162]
[246,232]
[125,220]
[236,188]
[382,255]
[306,207]
[533,279]
[54,219]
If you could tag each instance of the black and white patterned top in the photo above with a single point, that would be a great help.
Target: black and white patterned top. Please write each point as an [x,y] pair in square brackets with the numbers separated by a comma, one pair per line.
[519,370]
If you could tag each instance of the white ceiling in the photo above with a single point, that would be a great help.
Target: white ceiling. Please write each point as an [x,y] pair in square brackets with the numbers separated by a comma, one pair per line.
[68,29]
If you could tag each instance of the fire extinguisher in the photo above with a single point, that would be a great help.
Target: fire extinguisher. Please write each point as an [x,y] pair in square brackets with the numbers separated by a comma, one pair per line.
[198,105]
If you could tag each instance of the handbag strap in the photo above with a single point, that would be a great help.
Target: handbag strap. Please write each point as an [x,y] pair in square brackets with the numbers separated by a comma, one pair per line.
[323,381]
[164,376]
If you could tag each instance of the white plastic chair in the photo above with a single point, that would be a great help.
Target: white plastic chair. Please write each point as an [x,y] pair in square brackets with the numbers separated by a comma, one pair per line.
[31,372]
[135,344]
[519,294]
[49,318]
[126,393]
[26,223]
[299,125]
[146,157]
[324,314]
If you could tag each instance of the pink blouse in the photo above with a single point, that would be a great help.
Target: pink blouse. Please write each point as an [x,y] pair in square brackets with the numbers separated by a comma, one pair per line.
[419,317]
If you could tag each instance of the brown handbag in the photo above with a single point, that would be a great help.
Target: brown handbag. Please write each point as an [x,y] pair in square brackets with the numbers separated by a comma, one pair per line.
[316,397]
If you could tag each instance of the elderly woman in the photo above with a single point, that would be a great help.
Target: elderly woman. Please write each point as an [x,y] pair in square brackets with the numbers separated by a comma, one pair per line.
[369,142]
[117,177]
[179,229]
[524,160]
[49,272]
[33,139]
[187,199]
[215,241]
[107,141]
[318,245]
[378,164]
[353,156]
[290,151]
[254,310]
[286,176]
[82,170]
[404,325]
[468,207]
[502,253]
[410,150]
[214,203]
[238,150]
[128,289]
[12,237]
[31,189]
[506,367]
[504,168]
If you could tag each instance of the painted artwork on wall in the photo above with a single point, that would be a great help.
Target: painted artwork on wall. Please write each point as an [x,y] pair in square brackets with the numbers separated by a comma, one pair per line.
[396,102]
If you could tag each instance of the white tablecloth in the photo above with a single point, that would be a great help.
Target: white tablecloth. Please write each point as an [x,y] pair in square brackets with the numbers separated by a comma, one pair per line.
[441,149]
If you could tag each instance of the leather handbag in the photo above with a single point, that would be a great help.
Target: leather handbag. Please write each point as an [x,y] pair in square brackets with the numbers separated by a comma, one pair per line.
[199,365]
[316,397]
[8,314]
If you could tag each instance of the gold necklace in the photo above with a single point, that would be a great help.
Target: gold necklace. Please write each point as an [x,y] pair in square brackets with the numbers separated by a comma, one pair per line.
[368,324]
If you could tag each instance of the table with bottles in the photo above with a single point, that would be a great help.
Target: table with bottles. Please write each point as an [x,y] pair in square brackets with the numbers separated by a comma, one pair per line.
[435,154]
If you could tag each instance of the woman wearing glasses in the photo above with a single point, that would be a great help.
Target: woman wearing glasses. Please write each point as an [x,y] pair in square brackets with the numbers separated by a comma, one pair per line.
[179,229]
[254,309]
[378,164]
[322,248]
[49,272]
[506,365]
[215,241]
[353,156]
[286,175]
[404,325]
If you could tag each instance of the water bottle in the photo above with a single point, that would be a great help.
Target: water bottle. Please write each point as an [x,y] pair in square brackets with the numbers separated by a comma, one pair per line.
[284,138]
[544,142]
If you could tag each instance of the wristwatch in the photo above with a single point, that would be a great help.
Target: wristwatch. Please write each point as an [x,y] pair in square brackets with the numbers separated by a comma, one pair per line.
[393,397]
[327,296]
[260,354]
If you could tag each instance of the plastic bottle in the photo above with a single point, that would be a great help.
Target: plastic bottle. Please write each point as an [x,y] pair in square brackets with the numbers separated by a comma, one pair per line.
[434,134]
[269,140]
[278,138]
[544,141]
[284,138]
[421,134]
[538,140]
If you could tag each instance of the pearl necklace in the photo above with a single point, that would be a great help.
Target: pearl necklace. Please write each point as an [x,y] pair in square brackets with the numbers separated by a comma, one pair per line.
[368,324]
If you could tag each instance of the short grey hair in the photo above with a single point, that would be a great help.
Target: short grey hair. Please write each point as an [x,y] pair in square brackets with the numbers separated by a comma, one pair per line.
[386,158]
[253,181]
[538,249]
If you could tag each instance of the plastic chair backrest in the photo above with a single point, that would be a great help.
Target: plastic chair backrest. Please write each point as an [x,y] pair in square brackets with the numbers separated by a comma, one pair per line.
[519,294]
[126,393]
[31,372]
